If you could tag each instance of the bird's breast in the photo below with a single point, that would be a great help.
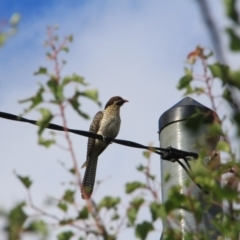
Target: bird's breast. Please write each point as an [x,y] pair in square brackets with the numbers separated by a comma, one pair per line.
[110,125]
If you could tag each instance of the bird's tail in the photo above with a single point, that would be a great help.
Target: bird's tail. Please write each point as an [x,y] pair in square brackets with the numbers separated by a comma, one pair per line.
[89,177]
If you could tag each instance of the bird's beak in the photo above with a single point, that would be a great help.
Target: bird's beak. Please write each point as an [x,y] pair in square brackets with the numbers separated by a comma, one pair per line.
[123,101]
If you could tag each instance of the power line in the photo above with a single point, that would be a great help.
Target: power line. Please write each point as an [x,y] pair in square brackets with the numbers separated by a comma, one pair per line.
[169,153]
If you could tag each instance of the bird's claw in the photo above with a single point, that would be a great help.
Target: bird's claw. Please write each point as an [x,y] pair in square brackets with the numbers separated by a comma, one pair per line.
[105,139]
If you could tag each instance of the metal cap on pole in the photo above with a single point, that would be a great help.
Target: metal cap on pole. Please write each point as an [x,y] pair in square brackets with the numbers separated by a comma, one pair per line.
[174,132]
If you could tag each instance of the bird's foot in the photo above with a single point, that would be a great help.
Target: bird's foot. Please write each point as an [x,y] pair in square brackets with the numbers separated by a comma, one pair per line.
[106,140]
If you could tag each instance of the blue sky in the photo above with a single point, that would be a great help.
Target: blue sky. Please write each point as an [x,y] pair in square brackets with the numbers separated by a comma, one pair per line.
[34,8]
[135,49]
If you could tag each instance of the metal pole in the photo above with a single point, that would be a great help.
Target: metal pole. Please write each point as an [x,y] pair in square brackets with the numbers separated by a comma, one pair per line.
[173,132]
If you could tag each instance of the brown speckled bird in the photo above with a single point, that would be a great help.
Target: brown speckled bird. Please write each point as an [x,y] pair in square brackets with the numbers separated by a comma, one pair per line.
[105,123]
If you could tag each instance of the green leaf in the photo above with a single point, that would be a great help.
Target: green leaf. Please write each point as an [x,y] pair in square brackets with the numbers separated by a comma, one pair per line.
[198,90]
[63,206]
[65,235]
[65,49]
[75,104]
[231,10]
[196,210]
[234,78]
[15,18]
[155,210]
[132,212]
[115,217]
[147,154]
[70,38]
[56,89]
[215,129]
[25,181]
[151,176]
[223,146]
[227,95]
[15,222]
[184,82]
[45,119]
[46,142]
[196,120]
[225,74]
[223,227]
[226,193]
[66,221]
[219,71]
[142,229]
[167,177]
[132,215]
[234,39]
[175,198]
[39,227]
[188,90]
[91,94]
[73,78]
[188,71]
[131,187]
[83,214]
[69,196]
[72,170]
[35,100]
[109,202]
[3,38]
[41,71]
[141,168]
[137,202]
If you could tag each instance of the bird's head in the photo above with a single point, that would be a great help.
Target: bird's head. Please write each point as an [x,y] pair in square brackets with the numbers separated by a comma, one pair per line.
[117,101]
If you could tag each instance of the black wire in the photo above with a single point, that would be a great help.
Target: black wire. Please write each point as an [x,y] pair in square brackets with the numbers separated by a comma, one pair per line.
[168,153]
[188,172]
[187,163]
[184,167]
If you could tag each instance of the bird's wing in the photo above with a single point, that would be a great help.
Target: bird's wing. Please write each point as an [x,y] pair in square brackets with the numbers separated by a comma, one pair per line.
[93,128]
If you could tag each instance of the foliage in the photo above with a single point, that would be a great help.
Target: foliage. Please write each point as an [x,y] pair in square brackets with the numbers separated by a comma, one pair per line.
[208,177]
[15,223]
[9,28]
[233,29]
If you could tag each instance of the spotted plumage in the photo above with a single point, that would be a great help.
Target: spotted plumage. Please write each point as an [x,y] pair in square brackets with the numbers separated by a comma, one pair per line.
[106,123]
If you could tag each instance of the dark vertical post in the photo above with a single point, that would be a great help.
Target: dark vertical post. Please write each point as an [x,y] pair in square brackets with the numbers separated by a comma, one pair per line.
[174,132]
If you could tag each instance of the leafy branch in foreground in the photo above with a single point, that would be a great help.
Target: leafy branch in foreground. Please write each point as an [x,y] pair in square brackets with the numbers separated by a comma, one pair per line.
[8,29]
[53,93]
[16,223]
[225,196]
[105,218]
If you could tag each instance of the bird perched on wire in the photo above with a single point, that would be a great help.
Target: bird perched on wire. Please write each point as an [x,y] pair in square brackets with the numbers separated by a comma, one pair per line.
[105,123]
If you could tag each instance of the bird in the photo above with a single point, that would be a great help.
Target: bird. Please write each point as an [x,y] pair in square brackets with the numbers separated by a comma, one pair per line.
[106,123]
